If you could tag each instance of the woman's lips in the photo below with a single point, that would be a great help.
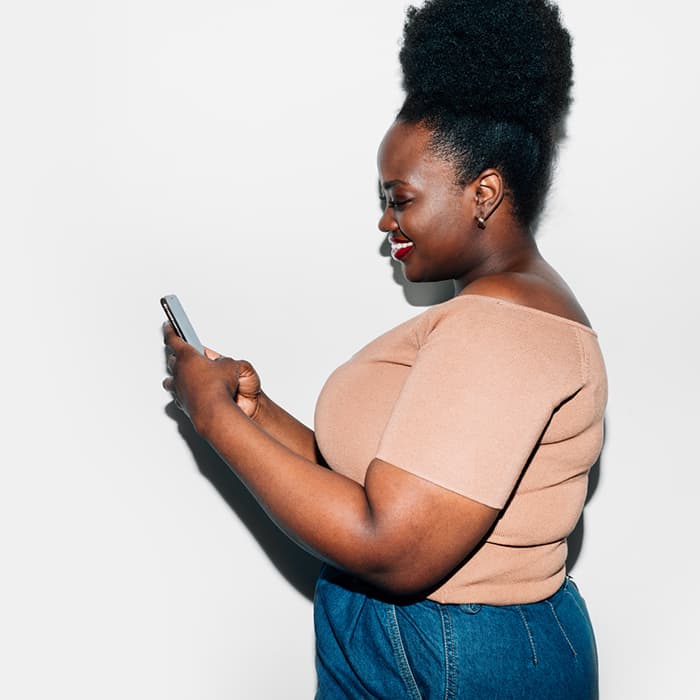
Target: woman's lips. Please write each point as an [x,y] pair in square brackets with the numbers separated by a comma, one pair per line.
[400,248]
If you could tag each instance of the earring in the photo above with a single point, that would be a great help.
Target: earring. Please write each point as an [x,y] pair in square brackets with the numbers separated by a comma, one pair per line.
[480,222]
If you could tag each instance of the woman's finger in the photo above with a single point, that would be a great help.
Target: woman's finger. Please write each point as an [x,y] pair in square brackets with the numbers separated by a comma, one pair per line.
[172,339]
[169,385]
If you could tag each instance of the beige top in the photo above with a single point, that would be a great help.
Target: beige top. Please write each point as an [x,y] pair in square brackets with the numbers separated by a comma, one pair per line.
[493,400]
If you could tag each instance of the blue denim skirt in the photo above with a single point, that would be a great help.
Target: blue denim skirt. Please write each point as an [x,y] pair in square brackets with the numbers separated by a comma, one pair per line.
[369,647]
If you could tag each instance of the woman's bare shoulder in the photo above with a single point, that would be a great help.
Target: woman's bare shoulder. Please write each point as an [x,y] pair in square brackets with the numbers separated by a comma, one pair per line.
[547,293]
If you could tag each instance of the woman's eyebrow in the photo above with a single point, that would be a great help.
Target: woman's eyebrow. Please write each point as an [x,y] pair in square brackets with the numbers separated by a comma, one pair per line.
[391,183]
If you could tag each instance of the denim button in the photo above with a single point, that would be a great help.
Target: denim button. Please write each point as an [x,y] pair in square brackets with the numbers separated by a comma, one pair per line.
[471,608]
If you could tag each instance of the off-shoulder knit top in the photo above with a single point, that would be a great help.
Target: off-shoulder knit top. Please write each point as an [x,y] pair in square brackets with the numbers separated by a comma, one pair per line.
[493,400]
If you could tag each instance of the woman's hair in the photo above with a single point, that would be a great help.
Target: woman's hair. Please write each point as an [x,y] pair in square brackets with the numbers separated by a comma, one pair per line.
[492,81]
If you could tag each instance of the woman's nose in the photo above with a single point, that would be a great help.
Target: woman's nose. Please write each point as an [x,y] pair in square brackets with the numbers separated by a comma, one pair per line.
[387,223]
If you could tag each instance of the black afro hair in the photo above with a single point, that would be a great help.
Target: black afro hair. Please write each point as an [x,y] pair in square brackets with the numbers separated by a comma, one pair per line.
[493,80]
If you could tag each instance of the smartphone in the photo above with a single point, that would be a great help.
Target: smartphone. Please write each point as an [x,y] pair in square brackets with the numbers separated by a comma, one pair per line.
[177,316]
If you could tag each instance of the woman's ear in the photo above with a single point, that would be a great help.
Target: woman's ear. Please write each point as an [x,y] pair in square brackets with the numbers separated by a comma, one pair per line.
[488,191]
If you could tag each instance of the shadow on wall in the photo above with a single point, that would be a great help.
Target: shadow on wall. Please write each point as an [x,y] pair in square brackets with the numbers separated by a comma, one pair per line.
[299,568]
[575,541]
[422,294]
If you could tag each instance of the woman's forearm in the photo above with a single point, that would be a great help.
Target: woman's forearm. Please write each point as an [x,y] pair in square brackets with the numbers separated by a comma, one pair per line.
[325,512]
[286,429]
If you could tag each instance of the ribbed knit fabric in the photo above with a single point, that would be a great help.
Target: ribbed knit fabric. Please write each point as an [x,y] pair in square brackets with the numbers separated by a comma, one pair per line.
[499,402]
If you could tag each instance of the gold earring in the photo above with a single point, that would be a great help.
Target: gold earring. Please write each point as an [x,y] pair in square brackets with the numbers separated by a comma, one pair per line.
[480,222]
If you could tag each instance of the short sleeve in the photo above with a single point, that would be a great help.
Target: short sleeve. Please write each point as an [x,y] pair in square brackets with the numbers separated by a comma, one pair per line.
[484,385]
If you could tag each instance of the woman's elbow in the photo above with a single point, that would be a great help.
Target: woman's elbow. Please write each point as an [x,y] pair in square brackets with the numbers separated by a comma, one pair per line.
[403,579]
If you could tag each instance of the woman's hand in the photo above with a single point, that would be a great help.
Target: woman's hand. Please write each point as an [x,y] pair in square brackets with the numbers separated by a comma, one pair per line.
[199,383]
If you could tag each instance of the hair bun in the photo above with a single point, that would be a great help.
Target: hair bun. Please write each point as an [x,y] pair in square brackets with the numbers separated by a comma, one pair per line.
[508,60]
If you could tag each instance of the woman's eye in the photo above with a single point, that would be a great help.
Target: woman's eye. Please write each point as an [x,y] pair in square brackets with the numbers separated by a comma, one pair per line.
[384,201]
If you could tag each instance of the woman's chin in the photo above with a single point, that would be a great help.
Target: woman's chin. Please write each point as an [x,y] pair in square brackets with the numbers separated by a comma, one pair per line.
[412,273]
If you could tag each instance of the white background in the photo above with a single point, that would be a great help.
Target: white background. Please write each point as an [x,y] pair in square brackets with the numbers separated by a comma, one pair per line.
[225,151]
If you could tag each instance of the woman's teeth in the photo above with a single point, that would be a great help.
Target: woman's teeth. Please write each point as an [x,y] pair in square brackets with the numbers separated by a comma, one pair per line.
[400,250]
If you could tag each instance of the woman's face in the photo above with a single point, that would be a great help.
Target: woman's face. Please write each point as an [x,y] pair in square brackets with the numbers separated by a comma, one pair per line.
[429,219]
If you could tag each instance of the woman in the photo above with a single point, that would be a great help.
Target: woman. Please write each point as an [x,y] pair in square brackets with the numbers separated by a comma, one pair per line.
[459,443]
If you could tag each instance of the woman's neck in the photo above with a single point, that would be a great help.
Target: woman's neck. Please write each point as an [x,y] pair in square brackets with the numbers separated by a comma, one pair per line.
[518,254]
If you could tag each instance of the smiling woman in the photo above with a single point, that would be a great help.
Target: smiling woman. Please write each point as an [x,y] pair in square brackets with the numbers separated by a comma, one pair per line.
[422,197]
[459,443]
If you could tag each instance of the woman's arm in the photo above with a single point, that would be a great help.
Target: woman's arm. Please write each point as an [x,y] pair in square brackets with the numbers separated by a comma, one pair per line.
[279,424]
[286,429]
[398,531]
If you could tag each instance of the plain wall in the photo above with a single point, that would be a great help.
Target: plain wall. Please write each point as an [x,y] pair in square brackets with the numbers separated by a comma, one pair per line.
[226,152]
